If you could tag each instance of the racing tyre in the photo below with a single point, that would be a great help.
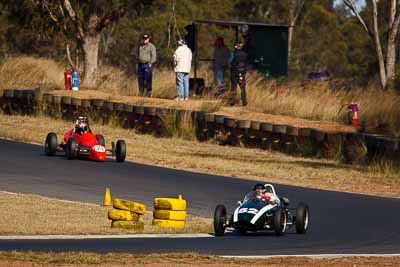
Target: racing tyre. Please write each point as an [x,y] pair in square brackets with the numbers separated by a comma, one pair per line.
[70,149]
[128,205]
[219,220]
[176,204]
[100,140]
[280,221]
[302,218]
[120,151]
[50,145]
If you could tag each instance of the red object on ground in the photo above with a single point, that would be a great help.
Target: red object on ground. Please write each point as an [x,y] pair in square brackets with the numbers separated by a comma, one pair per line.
[353,109]
[67,78]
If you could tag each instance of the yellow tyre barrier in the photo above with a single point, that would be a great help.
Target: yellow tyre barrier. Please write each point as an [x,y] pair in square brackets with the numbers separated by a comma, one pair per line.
[174,215]
[122,215]
[128,225]
[170,203]
[129,205]
[169,223]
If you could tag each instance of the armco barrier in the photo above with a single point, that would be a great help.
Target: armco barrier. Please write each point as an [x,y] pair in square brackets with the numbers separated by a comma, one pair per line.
[350,147]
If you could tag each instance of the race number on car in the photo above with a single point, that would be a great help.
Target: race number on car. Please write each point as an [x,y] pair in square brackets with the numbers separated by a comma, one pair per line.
[99,148]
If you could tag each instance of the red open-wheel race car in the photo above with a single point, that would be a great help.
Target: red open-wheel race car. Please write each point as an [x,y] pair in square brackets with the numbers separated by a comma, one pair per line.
[80,142]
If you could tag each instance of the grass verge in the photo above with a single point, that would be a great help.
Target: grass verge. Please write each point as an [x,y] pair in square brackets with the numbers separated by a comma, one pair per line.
[19,259]
[28,214]
[254,164]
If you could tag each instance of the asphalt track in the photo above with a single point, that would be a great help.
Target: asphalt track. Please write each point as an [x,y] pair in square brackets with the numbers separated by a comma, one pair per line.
[340,222]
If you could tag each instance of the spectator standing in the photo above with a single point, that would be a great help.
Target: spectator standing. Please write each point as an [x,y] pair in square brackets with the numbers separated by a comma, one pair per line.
[238,74]
[147,56]
[221,61]
[183,63]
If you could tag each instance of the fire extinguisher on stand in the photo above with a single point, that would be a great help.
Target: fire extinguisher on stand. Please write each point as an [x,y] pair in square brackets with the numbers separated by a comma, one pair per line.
[75,81]
[67,78]
[353,114]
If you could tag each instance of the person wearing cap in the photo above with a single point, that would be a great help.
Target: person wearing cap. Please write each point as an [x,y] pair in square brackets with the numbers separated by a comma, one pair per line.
[238,74]
[183,63]
[147,56]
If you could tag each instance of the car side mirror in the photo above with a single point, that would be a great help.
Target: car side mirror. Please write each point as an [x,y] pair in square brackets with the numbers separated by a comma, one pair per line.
[239,203]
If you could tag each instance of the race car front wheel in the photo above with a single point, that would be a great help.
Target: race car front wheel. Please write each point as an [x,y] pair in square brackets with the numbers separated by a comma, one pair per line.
[302,218]
[70,149]
[50,145]
[219,220]
[280,221]
[120,151]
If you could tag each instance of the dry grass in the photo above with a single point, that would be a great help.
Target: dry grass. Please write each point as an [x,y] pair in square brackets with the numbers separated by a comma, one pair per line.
[255,164]
[34,215]
[379,111]
[29,72]
[179,125]
[19,259]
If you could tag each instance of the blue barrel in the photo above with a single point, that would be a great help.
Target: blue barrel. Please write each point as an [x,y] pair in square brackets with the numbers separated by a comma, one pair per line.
[75,82]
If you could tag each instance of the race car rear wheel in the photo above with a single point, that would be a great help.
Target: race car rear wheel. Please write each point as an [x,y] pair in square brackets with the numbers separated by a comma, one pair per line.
[70,149]
[302,218]
[50,145]
[120,151]
[219,220]
[100,140]
[280,221]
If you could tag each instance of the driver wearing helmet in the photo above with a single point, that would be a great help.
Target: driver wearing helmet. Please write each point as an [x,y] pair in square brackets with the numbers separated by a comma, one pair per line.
[81,125]
[261,192]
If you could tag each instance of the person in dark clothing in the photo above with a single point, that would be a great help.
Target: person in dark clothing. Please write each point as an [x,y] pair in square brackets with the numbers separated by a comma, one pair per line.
[146,57]
[238,74]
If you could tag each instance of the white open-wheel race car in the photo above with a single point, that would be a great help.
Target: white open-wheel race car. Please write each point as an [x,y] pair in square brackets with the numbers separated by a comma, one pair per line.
[255,213]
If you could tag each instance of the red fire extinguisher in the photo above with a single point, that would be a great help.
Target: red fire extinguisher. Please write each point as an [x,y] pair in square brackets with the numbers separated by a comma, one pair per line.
[353,114]
[67,78]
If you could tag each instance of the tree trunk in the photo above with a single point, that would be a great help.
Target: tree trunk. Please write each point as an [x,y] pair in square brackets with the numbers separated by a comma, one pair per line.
[390,61]
[91,52]
[378,47]
[91,44]
[391,43]
[290,40]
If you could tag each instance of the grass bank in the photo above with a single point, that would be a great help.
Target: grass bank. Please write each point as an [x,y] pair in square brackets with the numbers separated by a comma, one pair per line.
[19,259]
[379,110]
[207,157]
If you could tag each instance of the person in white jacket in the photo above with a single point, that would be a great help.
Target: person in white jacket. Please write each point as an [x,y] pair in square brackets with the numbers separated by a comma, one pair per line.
[183,63]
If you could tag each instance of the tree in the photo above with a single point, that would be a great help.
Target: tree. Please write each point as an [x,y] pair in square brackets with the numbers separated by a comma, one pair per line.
[295,7]
[315,49]
[87,20]
[386,62]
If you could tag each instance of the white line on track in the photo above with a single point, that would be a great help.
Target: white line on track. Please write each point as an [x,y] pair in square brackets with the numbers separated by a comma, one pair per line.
[312,256]
[55,237]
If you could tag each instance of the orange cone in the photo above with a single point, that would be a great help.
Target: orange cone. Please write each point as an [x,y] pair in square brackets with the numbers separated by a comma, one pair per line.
[107,198]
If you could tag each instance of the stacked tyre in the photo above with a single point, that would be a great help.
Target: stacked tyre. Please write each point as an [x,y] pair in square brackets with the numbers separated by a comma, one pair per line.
[126,214]
[169,212]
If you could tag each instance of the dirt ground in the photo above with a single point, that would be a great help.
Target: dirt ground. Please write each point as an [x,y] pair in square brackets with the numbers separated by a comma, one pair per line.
[30,259]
